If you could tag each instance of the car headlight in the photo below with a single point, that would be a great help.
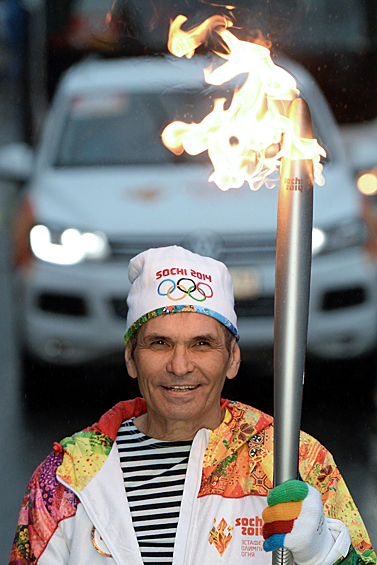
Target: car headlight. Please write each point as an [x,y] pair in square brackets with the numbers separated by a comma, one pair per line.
[68,247]
[348,234]
[367,182]
[318,240]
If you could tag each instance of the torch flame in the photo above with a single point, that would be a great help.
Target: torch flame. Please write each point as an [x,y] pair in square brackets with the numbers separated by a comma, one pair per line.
[184,43]
[247,140]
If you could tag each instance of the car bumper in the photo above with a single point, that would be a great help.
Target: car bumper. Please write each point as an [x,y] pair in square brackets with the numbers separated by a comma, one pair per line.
[73,315]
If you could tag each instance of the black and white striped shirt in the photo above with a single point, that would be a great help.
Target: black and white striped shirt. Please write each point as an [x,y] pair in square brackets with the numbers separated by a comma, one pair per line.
[154,473]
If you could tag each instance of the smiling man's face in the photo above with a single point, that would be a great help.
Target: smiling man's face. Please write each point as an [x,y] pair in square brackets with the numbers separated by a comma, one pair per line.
[181,362]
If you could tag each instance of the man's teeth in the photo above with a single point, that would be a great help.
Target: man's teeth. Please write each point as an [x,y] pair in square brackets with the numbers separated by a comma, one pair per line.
[188,387]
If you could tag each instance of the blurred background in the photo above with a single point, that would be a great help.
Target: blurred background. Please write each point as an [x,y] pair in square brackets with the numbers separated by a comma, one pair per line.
[85,183]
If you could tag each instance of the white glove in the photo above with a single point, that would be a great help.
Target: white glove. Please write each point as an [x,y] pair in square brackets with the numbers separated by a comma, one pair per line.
[294,519]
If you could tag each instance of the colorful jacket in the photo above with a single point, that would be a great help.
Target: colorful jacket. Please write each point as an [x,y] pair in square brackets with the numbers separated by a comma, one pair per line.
[75,510]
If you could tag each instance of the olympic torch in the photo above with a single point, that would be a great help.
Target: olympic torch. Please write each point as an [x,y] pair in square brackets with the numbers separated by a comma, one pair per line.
[254,121]
[292,288]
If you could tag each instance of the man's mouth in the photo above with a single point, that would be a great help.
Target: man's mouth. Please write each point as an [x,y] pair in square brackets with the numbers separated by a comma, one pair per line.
[181,387]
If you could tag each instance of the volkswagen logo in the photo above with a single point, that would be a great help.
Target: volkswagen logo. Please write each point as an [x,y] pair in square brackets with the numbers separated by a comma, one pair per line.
[204,243]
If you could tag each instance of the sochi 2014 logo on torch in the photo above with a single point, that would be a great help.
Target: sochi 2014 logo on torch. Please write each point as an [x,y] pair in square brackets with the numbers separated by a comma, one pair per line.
[199,290]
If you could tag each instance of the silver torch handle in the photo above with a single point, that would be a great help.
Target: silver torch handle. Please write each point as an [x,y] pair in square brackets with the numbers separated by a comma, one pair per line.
[292,288]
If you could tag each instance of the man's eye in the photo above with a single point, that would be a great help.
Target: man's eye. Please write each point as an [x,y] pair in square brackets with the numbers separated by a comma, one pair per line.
[159,342]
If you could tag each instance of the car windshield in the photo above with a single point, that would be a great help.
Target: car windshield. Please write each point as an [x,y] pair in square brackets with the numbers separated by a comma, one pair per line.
[90,6]
[119,128]
[125,128]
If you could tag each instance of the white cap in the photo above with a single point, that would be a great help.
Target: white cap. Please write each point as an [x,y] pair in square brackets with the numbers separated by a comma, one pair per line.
[172,279]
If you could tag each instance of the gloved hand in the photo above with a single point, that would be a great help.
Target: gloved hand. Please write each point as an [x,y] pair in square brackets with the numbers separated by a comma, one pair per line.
[294,520]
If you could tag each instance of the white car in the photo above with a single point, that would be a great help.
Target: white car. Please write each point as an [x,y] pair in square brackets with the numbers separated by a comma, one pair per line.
[104,188]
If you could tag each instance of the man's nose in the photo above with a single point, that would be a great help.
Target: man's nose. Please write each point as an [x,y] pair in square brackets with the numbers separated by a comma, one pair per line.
[179,363]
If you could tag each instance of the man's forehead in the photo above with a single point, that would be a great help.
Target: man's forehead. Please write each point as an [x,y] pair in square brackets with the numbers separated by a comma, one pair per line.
[181,323]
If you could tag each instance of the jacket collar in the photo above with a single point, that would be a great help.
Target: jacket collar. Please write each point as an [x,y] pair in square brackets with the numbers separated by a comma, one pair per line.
[86,452]
[240,424]
[111,421]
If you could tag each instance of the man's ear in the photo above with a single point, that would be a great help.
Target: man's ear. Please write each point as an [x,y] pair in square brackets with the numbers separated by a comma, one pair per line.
[234,361]
[130,363]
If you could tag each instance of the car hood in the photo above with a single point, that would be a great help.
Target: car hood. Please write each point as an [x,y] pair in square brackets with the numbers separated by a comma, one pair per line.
[172,199]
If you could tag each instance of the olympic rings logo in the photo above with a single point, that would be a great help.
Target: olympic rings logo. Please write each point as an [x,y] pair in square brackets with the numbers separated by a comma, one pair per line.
[196,287]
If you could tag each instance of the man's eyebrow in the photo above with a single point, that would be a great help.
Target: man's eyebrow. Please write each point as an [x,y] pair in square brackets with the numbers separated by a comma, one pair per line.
[154,337]
[206,337]
[200,337]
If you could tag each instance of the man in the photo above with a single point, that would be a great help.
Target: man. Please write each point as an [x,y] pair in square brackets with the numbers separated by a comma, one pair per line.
[181,476]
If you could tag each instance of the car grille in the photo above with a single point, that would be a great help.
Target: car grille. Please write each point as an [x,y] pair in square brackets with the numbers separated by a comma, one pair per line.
[343,298]
[232,249]
[262,306]
[62,304]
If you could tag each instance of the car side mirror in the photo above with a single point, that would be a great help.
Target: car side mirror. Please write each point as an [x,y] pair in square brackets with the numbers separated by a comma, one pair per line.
[16,162]
[360,144]
[363,154]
